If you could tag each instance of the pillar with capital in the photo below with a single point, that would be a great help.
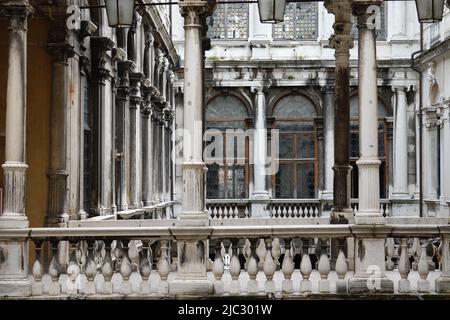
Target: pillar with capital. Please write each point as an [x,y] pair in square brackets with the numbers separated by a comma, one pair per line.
[370,258]
[260,196]
[14,278]
[342,42]
[192,266]
[329,120]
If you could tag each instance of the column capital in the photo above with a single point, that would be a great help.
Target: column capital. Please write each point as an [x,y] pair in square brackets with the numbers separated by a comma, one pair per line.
[61,51]
[99,48]
[341,42]
[365,16]
[17,12]
[327,89]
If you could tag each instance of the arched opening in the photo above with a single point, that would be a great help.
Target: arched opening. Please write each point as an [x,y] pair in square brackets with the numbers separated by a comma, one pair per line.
[297,175]
[226,152]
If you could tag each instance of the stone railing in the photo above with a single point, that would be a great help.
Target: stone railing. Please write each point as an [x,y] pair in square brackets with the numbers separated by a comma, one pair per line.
[162,210]
[295,208]
[270,260]
[228,208]
[385,206]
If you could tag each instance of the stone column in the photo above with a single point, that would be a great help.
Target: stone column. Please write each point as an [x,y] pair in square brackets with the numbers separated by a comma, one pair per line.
[328,159]
[260,196]
[400,146]
[368,164]
[156,153]
[342,42]
[193,253]
[135,100]
[369,239]
[147,150]
[122,133]
[57,198]
[101,129]
[14,278]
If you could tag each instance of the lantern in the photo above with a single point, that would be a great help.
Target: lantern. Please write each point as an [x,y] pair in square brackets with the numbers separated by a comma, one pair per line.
[430,11]
[120,13]
[271,11]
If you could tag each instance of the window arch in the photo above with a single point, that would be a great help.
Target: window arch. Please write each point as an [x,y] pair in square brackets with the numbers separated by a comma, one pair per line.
[297,175]
[226,153]
[300,22]
[229,21]
[383,146]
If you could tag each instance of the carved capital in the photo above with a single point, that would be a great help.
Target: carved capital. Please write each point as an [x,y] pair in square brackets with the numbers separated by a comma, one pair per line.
[60,52]
[99,48]
[193,12]
[362,10]
[17,12]
[341,42]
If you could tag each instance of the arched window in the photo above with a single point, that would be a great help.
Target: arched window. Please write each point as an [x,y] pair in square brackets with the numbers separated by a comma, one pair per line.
[227,148]
[297,175]
[383,146]
[300,22]
[229,21]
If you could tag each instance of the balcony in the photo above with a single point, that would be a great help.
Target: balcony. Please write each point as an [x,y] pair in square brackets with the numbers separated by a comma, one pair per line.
[247,257]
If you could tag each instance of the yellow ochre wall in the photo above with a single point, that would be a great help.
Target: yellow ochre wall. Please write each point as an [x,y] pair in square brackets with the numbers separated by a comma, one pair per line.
[38,106]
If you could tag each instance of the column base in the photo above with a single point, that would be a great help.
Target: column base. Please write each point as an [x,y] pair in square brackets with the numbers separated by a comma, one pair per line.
[442,284]
[370,284]
[14,221]
[15,287]
[375,217]
[191,287]
[259,205]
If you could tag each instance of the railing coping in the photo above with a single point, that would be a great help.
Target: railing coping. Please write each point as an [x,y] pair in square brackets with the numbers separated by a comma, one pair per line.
[246,231]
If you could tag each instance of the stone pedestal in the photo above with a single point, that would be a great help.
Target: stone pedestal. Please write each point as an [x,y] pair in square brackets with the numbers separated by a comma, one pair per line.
[442,284]
[369,262]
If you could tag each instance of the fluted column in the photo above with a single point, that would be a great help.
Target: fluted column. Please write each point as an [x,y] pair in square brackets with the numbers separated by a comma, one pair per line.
[368,164]
[260,195]
[14,278]
[329,122]
[342,42]
[401,146]
[147,150]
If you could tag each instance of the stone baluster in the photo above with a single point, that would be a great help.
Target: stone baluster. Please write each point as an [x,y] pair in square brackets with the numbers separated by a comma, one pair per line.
[269,268]
[287,268]
[125,269]
[423,284]
[302,211]
[221,213]
[54,270]
[276,252]
[133,254]
[235,268]
[37,288]
[261,253]
[218,269]
[145,268]
[91,270]
[118,253]
[107,269]
[246,212]
[416,253]
[389,248]
[324,267]
[284,213]
[252,267]
[305,267]
[404,267]
[236,212]
[163,269]
[73,269]
[341,268]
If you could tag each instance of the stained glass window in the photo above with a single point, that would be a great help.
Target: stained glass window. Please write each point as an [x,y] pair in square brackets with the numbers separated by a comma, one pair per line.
[381,31]
[229,21]
[300,22]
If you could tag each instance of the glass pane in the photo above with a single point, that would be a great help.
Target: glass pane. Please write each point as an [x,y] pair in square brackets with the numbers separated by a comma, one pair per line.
[286,146]
[300,22]
[284,182]
[296,106]
[215,182]
[305,146]
[354,144]
[295,126]
[236,182]
[305,180]
[229,21]
[228,107]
